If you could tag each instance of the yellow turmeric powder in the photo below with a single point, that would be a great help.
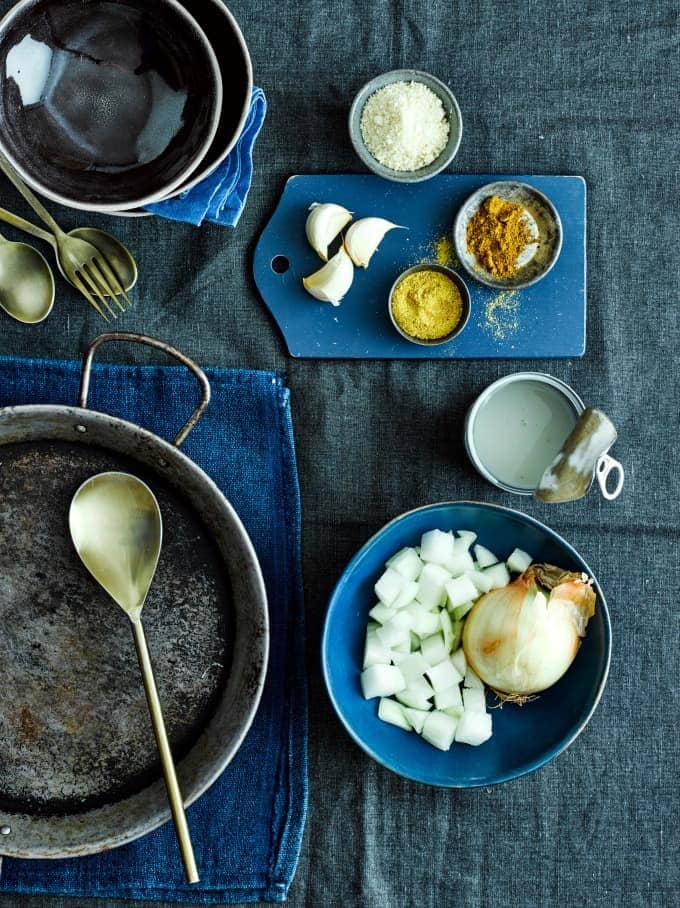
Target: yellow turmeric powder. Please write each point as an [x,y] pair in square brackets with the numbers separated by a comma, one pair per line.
[427,305]
[497,234]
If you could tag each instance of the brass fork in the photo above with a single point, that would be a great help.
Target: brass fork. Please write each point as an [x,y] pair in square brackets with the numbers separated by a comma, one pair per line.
[80,262]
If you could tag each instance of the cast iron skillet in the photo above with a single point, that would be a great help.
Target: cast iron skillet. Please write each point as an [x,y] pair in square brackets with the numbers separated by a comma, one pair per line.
[78,767]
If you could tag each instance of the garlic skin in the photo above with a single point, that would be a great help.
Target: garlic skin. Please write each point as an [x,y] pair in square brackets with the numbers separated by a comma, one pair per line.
[324,222]
[364,237]
[520,639]
[332,281]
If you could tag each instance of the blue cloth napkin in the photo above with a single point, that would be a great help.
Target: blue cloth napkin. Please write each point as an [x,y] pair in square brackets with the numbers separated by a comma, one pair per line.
[221,196]
[247,829]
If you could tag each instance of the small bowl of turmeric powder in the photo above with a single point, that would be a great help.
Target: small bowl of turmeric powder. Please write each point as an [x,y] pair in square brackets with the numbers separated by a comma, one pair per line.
[429,304]
[507,235]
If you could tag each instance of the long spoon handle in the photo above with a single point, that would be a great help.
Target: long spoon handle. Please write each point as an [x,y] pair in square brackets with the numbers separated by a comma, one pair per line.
[172,785]
[32,200]
[9,218]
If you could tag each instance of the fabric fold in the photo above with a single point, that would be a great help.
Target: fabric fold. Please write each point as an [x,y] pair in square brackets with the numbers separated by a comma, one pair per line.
[221,196]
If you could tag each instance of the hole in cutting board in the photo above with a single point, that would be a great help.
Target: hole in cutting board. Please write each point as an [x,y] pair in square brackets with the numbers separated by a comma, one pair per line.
[280,264]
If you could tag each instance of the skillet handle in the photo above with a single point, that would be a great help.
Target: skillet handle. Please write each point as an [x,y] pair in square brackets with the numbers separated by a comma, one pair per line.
[159,345]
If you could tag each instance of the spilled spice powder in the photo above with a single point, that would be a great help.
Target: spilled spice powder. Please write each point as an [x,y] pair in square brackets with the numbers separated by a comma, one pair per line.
[497,234]
[445,252]
[427,305]
[500,314]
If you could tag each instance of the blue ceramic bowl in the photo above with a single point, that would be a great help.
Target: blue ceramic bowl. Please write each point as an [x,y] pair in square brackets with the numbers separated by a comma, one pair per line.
[524,737]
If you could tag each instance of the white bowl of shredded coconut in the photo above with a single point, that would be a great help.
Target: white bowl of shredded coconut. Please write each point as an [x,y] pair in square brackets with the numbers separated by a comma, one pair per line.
[405,125]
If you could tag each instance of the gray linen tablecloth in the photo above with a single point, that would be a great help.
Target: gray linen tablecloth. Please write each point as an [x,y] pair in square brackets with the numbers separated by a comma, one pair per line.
[555,87]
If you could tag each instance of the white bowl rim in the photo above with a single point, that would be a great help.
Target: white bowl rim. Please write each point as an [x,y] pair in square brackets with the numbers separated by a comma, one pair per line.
[161,193]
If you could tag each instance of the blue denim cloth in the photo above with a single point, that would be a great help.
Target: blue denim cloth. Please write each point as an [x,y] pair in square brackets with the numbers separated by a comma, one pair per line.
[247,829]
[221,196]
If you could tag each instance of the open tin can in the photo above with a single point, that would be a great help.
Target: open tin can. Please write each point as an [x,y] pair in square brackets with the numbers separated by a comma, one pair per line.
[525,423]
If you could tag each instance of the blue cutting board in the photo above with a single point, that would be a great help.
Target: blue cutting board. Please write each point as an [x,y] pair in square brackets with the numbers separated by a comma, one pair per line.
[543,321]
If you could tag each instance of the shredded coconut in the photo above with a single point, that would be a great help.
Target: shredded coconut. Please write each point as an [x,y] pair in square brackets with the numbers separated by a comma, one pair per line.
[404,126]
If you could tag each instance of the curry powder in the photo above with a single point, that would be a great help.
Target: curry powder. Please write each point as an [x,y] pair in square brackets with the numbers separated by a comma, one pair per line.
[497,234]
[427,305]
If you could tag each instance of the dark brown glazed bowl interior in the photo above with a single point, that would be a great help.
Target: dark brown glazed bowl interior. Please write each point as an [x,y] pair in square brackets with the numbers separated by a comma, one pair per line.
[107,103]
[237,78]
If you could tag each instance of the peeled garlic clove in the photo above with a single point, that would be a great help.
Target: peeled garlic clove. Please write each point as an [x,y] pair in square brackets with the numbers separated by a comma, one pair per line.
[332,281]
[324,223]
[364,237]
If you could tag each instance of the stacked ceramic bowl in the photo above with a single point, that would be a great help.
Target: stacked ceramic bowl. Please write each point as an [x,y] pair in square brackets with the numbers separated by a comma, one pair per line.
[110,105]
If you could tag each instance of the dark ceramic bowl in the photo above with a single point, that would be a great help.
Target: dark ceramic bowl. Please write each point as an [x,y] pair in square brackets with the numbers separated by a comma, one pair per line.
[106,104]
[236,72]
[524,737]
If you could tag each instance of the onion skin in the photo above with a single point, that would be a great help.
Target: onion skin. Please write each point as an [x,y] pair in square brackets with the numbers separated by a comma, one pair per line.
[521,639]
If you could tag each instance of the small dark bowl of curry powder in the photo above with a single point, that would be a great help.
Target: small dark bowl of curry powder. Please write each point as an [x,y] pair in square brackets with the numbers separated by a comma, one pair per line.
[429,304]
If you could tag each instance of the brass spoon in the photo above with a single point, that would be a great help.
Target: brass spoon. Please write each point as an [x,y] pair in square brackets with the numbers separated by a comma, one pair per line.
[118,255]
[26,282]
[117,530]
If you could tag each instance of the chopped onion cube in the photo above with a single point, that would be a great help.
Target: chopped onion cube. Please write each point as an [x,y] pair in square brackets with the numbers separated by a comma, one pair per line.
[472,679]
[460,590]
[460,563]
[467,536]
[407,595]
[413,698]
[381,613]
[439,729]
[395,557]
[436,546]
[407,563]
[447,629]
[403,648]
[431,584]
[519,561]
[499,574]
[416,717]
[424,621]
[396,656]
[474,699]
[397,630]
[459,661]
[389,586]
[481,581]
[473,728]
[374,652]
[381,681]
[484,557]
[413,666]
[462,610]
[392,712]
[422,686]
[455,711]
[445,699]
[443,675]
[457,635]
[433,648]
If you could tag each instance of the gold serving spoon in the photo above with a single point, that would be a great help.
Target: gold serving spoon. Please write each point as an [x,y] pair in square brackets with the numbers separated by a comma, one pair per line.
[83,265]
[117,530]
[118,255]
[26,282]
